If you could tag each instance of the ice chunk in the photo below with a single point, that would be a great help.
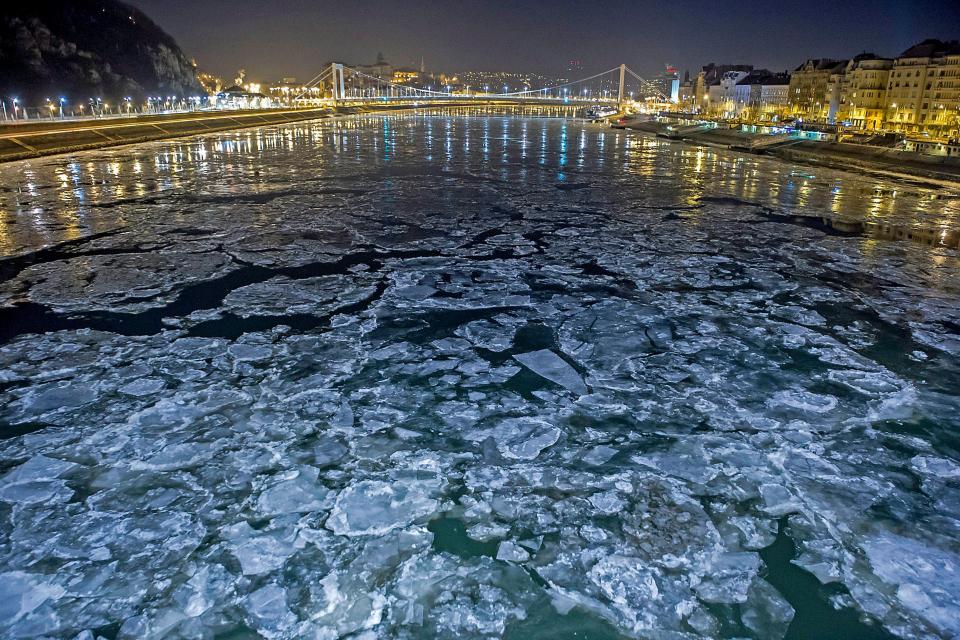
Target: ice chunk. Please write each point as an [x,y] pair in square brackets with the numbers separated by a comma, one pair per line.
[549,365]
[926,577]
[524,438]
[488,335]
[804,400]
[300,494]
[39,467]
[512,552]
[209,586]
[756,534]
[38,491]
[36,481]
[59,397]
[765,612]
[121,281]
[268,611]
[183,455]
[631,585]
[607,502]
[262,554]
[143,386]
[487,531]
[22,593]
[329,450]
[599,455]
[693,468]
[533,544]
[942,468]
[283,296]
[778,501]
[729,578]
[250,352]
[372,507]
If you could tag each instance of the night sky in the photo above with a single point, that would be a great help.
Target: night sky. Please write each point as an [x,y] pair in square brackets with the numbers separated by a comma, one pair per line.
[274,38]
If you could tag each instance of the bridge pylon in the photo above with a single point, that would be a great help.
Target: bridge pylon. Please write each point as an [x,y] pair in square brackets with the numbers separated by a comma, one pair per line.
[336,81]
[623,71]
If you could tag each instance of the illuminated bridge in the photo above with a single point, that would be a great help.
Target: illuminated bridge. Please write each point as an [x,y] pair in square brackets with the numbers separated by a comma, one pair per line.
[337,85]
[345,85]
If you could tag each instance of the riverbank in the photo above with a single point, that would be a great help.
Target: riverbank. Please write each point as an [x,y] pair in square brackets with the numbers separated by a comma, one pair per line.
[50,137]
[843,155]
[34,139]
[877,160]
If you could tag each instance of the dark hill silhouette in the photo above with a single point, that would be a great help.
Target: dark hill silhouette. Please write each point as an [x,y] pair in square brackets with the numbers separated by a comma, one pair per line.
[81,49]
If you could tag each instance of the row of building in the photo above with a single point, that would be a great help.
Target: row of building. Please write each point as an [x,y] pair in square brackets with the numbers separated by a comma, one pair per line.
[371,77]
[917,93]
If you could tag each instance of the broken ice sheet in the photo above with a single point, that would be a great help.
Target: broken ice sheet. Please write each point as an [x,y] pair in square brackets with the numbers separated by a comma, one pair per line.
[521,438]
[282,296]
[300,493]
[488,334]
[128,282]
[512,552]
[262,553]
[549,365]
[372,507]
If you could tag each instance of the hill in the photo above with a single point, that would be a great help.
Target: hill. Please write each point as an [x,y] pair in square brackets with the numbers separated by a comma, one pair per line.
[88,48]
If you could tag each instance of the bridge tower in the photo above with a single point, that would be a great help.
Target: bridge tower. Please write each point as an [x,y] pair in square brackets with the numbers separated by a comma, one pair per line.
[623,70]
[336,81]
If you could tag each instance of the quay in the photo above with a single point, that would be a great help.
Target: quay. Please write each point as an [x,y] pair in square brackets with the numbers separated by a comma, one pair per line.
[850,156]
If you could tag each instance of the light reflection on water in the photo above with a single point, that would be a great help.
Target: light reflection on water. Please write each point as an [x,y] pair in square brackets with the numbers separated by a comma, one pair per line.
[50,200]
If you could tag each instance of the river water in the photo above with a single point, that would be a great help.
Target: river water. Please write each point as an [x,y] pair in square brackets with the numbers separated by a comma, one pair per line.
[455,375]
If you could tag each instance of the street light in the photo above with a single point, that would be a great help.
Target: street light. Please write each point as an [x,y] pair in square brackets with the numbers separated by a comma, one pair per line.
[62,100]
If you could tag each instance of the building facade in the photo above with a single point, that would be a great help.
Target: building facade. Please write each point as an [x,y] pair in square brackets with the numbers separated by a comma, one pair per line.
[664,86]
[723,94]
[864,92]
[916,94]
[711,76]
[762,96]
[812,86]
[406,76]
[923,90]
[687,95]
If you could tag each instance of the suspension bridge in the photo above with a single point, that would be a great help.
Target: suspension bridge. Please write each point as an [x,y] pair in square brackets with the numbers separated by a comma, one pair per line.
[341,84]
[337,85]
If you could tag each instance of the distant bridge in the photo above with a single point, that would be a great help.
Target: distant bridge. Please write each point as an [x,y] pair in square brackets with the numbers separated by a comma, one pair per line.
[346,85]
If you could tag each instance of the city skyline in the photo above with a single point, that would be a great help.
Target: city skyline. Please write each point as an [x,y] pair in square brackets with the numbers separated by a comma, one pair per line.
[289,38]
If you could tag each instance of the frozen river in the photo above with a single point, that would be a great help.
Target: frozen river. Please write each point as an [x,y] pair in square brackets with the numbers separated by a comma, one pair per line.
[453,376]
